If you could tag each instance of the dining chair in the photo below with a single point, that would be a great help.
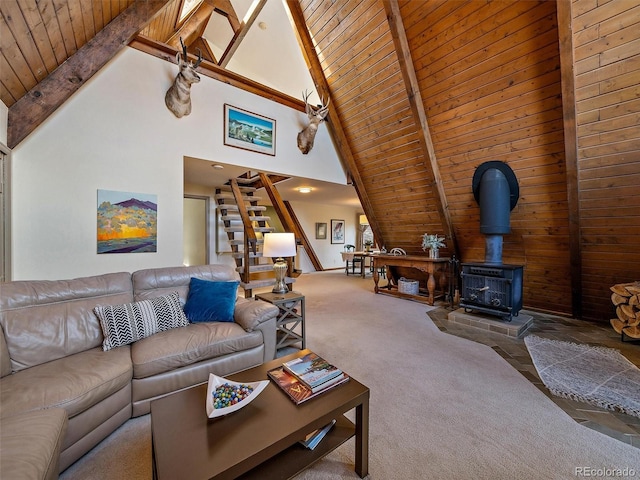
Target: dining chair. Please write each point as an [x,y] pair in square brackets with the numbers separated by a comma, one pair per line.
[351,260]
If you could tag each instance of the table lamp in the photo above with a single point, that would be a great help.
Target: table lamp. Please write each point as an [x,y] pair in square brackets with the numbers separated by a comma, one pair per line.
[279,245]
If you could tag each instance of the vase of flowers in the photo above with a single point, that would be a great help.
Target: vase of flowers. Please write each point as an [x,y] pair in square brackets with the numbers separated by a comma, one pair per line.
[433,243]
[367,245]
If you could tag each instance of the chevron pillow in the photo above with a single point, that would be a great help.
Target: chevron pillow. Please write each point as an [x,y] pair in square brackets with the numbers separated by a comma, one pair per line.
[124,324]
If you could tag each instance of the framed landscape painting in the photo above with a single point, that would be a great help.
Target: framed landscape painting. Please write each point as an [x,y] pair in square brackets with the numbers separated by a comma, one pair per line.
[127,222]
[249,131]
[337,231]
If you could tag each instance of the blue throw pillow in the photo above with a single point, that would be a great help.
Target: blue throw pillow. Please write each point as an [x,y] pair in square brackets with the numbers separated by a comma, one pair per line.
[210,301]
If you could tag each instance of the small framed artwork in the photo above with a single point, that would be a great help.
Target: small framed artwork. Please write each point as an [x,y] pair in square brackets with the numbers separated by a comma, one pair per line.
[337,231]
[249,131]
[321,231]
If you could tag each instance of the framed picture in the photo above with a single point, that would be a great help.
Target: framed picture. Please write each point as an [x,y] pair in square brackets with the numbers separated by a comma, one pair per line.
[337,231]
[249,131]
[127,222]
[321,231]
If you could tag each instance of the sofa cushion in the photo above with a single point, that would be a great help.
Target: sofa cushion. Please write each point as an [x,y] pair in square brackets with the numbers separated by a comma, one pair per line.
[30,444]
[44,320]
[166,351]
[74,383]
[211,301]
[124,324]
[154,282]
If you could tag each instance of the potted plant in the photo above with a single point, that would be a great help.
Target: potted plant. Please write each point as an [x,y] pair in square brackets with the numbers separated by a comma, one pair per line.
[367,245]
[433,243]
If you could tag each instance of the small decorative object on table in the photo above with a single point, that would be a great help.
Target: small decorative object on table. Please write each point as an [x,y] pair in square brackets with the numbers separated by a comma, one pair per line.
[225,396]
[433,243]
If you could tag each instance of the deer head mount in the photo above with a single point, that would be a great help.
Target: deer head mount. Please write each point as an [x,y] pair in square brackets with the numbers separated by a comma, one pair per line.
[316,116]
[178,97]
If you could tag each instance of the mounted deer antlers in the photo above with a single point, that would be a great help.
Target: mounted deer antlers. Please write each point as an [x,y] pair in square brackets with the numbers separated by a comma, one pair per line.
[316,116]
[178,97]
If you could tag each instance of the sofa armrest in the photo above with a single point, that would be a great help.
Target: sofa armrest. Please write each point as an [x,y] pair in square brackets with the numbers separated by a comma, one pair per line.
[249,313]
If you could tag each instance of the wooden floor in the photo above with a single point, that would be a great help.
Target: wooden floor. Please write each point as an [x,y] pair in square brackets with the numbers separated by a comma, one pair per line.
[625,428]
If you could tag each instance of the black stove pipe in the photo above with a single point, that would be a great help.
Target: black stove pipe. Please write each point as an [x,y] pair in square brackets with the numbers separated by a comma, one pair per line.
[495,188]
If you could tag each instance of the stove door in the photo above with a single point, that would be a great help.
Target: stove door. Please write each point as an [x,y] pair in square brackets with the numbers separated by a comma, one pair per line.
[493,292]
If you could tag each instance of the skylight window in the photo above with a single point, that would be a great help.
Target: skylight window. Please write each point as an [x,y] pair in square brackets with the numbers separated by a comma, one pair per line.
[187,7]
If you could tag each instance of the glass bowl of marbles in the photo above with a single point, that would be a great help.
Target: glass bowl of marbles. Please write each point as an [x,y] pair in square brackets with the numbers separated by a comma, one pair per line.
[225,396]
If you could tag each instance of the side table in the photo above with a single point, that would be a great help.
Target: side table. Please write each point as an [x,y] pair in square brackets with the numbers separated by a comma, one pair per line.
[289,318]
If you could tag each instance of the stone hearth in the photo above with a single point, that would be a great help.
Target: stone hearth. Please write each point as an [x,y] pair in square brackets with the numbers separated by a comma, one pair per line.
[516,327]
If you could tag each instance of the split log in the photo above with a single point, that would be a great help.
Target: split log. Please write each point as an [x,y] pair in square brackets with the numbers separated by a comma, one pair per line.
[626,300]
[617,299]
[617,325]
[633,289]
[621,290]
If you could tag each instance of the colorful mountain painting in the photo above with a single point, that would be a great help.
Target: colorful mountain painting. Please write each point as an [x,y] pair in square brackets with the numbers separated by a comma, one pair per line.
[127,222]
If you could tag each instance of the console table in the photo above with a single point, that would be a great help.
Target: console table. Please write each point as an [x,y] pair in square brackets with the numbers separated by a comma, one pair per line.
[288,318]
[429,266]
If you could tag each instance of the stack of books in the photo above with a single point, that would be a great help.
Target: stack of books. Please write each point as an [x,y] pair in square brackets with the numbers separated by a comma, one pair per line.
[306,377]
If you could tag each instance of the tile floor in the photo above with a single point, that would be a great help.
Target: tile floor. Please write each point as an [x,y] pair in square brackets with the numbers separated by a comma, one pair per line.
[625,428]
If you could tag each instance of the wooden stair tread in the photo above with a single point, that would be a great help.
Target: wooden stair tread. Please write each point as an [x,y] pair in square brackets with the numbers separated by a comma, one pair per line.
[241,229]
[246,198]
[241,255]
[234,207]
[240,241]
[253,218]
[227,188]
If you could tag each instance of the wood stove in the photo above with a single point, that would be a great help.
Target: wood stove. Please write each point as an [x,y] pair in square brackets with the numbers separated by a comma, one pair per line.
[492,287]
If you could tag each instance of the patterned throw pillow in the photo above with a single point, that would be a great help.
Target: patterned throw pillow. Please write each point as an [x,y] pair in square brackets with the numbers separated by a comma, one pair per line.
[124,324]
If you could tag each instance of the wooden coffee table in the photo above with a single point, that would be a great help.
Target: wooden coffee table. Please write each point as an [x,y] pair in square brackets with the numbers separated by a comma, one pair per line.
[259,441]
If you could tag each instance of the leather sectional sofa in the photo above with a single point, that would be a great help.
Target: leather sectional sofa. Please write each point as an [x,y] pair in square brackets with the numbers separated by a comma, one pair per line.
[61,393]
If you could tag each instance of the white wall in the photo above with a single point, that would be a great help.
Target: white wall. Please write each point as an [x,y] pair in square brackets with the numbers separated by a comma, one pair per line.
[308,214]
[115,133]
[329,254]
[4,122]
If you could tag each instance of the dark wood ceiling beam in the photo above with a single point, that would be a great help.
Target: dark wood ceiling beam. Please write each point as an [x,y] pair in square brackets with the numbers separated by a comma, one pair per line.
[334,124]
[240,34]
[211,70]
[43,99]
[417,107]
[567,77]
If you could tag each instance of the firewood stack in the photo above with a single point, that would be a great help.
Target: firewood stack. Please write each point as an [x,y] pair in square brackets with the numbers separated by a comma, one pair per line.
[626,299]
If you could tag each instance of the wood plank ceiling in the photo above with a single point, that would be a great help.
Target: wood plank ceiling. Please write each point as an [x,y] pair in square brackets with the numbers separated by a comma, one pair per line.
[490,88]
[422,93]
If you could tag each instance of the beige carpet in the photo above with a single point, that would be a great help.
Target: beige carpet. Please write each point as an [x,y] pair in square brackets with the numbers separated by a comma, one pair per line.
[442,407]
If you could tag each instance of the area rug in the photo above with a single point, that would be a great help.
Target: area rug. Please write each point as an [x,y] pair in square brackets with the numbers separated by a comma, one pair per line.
[596,375]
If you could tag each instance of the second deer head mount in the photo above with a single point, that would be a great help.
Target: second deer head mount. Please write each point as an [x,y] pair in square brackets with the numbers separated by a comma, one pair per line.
[178,97]
[316,116]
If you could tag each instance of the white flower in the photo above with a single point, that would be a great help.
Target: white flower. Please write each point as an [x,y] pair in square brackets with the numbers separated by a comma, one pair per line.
[432,241]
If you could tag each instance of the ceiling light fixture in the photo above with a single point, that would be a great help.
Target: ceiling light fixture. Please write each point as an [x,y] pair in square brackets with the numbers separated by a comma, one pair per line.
[304,189]
[217,166]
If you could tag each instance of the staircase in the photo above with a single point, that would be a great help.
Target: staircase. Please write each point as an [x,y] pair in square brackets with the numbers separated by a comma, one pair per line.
[245,223]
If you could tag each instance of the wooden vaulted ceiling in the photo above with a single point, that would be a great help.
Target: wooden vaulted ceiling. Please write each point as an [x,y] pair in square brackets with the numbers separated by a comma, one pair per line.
[422,93]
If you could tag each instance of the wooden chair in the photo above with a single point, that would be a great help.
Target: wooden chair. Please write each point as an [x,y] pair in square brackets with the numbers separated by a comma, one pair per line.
[351,260]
